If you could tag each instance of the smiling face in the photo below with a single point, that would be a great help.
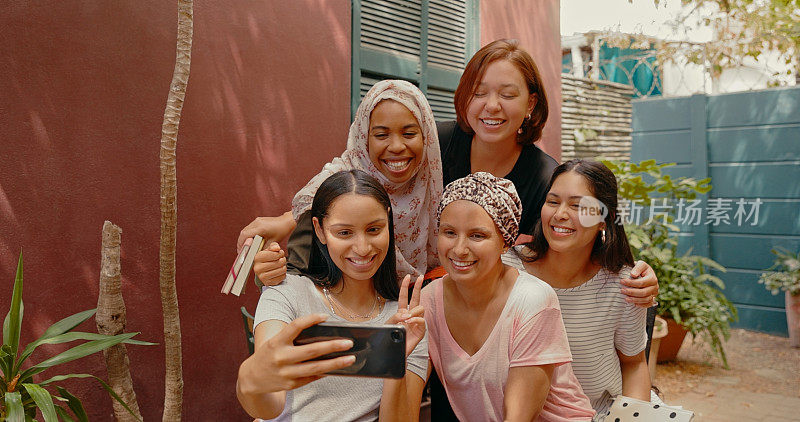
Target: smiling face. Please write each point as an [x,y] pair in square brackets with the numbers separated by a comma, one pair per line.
[500,103]
[356,232]
[396,145]
[561,223]
[469,243]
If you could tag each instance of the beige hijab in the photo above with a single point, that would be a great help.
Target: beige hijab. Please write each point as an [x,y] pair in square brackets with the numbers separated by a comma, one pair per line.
[414,203]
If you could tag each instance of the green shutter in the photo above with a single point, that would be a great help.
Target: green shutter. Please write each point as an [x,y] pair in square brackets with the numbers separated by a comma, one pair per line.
[366,83]
[447,34]
[392,27]
[441,104]
[426,42]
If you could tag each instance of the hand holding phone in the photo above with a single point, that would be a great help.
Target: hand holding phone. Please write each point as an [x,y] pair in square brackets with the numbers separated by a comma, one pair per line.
[278,364]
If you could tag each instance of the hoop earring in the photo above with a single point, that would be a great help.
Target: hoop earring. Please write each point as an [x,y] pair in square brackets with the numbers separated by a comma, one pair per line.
[603,235]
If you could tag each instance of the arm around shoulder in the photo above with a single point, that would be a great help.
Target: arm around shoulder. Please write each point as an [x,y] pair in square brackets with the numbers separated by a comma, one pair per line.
[273,229]
[635,376]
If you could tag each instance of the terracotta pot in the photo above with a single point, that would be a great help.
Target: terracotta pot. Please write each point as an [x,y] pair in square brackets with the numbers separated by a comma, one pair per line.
[671,343]
[793,318]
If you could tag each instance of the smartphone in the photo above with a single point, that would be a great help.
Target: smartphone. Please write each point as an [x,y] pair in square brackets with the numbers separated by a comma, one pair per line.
[380,350]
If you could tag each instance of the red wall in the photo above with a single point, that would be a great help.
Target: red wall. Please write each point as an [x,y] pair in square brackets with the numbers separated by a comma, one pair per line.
[536,25]
[84,88]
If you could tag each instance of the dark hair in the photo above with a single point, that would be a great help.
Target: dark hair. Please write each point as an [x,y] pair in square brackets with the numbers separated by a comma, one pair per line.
[322,269]
[615,251]
[510,50]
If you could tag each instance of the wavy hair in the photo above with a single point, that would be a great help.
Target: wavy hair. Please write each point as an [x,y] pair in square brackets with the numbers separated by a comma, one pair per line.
[615,252]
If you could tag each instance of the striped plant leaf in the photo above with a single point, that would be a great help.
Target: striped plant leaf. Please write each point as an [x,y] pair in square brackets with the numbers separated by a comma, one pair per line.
[77,352]
[74,404]
[13,321]
[43,401]
[14,410]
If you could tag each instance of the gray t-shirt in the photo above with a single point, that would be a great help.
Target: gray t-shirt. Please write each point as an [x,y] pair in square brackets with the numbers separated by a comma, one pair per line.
[332,398]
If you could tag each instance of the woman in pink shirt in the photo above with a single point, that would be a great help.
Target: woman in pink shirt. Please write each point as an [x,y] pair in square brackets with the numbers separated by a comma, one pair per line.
[496,337]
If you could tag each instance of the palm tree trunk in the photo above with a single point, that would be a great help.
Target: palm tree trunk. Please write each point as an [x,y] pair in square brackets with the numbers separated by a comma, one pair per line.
[173,382]
[111,319]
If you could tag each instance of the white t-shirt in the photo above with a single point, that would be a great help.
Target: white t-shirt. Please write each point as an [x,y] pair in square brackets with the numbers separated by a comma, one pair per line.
[528,332]
[333,398]
[599,322]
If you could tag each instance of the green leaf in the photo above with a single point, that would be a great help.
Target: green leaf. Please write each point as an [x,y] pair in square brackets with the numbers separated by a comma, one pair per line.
[67,337]
[676,314]
[14,410]
[108,388]
[65,416]
[67,324]
[6,363]
[13,321]
[77,352]
[60,327]
[43,400]
[74,404]
[711,263]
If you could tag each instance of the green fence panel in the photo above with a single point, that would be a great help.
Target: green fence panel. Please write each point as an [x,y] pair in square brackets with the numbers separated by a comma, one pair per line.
[768,107]
[749,251]
[754,144]
[749,144]
[741,286]
[764,319]
[775,217]
[756,180]
[669,147]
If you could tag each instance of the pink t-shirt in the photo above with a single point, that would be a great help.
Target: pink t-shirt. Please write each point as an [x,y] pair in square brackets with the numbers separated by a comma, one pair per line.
[528,332]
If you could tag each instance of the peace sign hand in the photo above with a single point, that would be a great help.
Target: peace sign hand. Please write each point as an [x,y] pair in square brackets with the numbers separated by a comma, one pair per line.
[410,313]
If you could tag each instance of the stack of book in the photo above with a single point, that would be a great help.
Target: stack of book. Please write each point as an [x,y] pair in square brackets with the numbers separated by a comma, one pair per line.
[240,270]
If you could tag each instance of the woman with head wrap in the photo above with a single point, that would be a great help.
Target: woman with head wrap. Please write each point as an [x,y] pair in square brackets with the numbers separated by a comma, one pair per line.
[496,337]
[393,138]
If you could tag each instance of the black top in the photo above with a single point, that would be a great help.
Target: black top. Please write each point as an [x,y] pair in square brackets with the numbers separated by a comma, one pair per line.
[530,175]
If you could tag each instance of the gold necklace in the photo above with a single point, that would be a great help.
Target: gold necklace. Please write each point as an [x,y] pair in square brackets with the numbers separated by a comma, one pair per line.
[350,314]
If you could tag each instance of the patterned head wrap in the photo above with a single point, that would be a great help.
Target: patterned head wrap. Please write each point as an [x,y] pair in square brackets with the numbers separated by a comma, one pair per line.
[415,201]
[497,196]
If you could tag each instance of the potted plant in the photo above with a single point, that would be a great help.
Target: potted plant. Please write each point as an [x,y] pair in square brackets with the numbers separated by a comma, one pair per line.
[785,275]
[688,293]
[20,394]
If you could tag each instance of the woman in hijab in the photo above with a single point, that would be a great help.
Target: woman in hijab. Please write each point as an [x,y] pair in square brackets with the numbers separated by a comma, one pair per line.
[393,138]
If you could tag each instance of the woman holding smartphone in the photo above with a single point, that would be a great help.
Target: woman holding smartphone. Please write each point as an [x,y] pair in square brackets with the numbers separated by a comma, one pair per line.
[352,278]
